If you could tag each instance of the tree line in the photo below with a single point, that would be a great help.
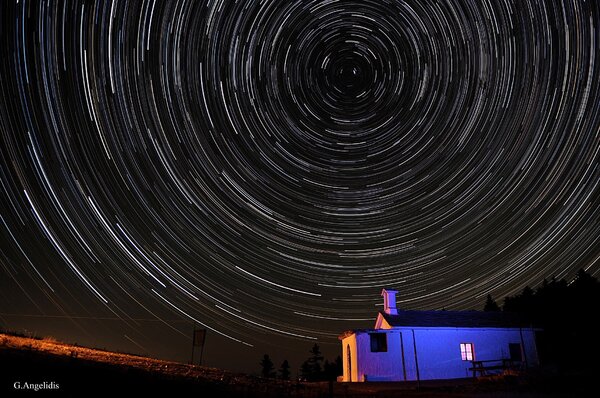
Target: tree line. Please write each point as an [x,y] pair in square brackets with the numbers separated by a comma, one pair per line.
[566,314]
[314,368]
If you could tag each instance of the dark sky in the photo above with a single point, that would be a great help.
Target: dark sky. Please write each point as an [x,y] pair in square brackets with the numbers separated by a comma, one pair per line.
[264,168]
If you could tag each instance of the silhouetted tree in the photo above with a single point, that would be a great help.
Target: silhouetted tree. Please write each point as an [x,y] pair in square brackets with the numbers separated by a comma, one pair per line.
[584,281]
[305,371]
[315,362]
[328,371]
[566,312]
[312,369]
[339,366]
[490,304]
[284,370]
[527,294]
[266,367]
[333,369]
[523,302]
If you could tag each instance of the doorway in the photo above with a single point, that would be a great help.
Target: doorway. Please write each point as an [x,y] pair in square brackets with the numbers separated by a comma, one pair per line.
[349,362]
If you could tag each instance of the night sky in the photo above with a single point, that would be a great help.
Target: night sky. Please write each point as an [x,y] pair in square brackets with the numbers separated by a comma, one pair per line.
[264,168]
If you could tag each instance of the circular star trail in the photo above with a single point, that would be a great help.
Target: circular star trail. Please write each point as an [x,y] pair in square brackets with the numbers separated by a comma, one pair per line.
[270,166]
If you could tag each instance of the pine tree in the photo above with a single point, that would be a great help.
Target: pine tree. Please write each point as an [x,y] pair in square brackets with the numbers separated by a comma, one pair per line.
[306,371]
[339,366]
[490,304]
[284,370]
[266,366]
[328,370]
[314,363]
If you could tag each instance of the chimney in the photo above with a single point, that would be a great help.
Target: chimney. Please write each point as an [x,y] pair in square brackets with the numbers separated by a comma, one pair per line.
[389,301]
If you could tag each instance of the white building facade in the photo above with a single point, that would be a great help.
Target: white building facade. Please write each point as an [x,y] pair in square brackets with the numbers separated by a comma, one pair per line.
[429,345]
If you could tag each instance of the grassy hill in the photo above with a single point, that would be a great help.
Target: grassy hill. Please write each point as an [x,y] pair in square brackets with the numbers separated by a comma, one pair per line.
[77,370]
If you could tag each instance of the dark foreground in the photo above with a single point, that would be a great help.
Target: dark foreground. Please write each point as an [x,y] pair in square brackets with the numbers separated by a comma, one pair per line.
[62,370]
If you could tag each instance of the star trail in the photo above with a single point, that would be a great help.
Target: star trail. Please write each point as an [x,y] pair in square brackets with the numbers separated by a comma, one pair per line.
[264,168]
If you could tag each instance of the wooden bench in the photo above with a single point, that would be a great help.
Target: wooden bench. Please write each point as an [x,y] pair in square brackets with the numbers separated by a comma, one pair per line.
[485,367]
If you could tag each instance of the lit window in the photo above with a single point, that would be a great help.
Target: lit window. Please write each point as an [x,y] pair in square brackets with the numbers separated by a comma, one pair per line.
[378,342]
[467,353]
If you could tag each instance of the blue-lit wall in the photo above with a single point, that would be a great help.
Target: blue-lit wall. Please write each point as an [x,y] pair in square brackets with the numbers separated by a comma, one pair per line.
[437,352]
